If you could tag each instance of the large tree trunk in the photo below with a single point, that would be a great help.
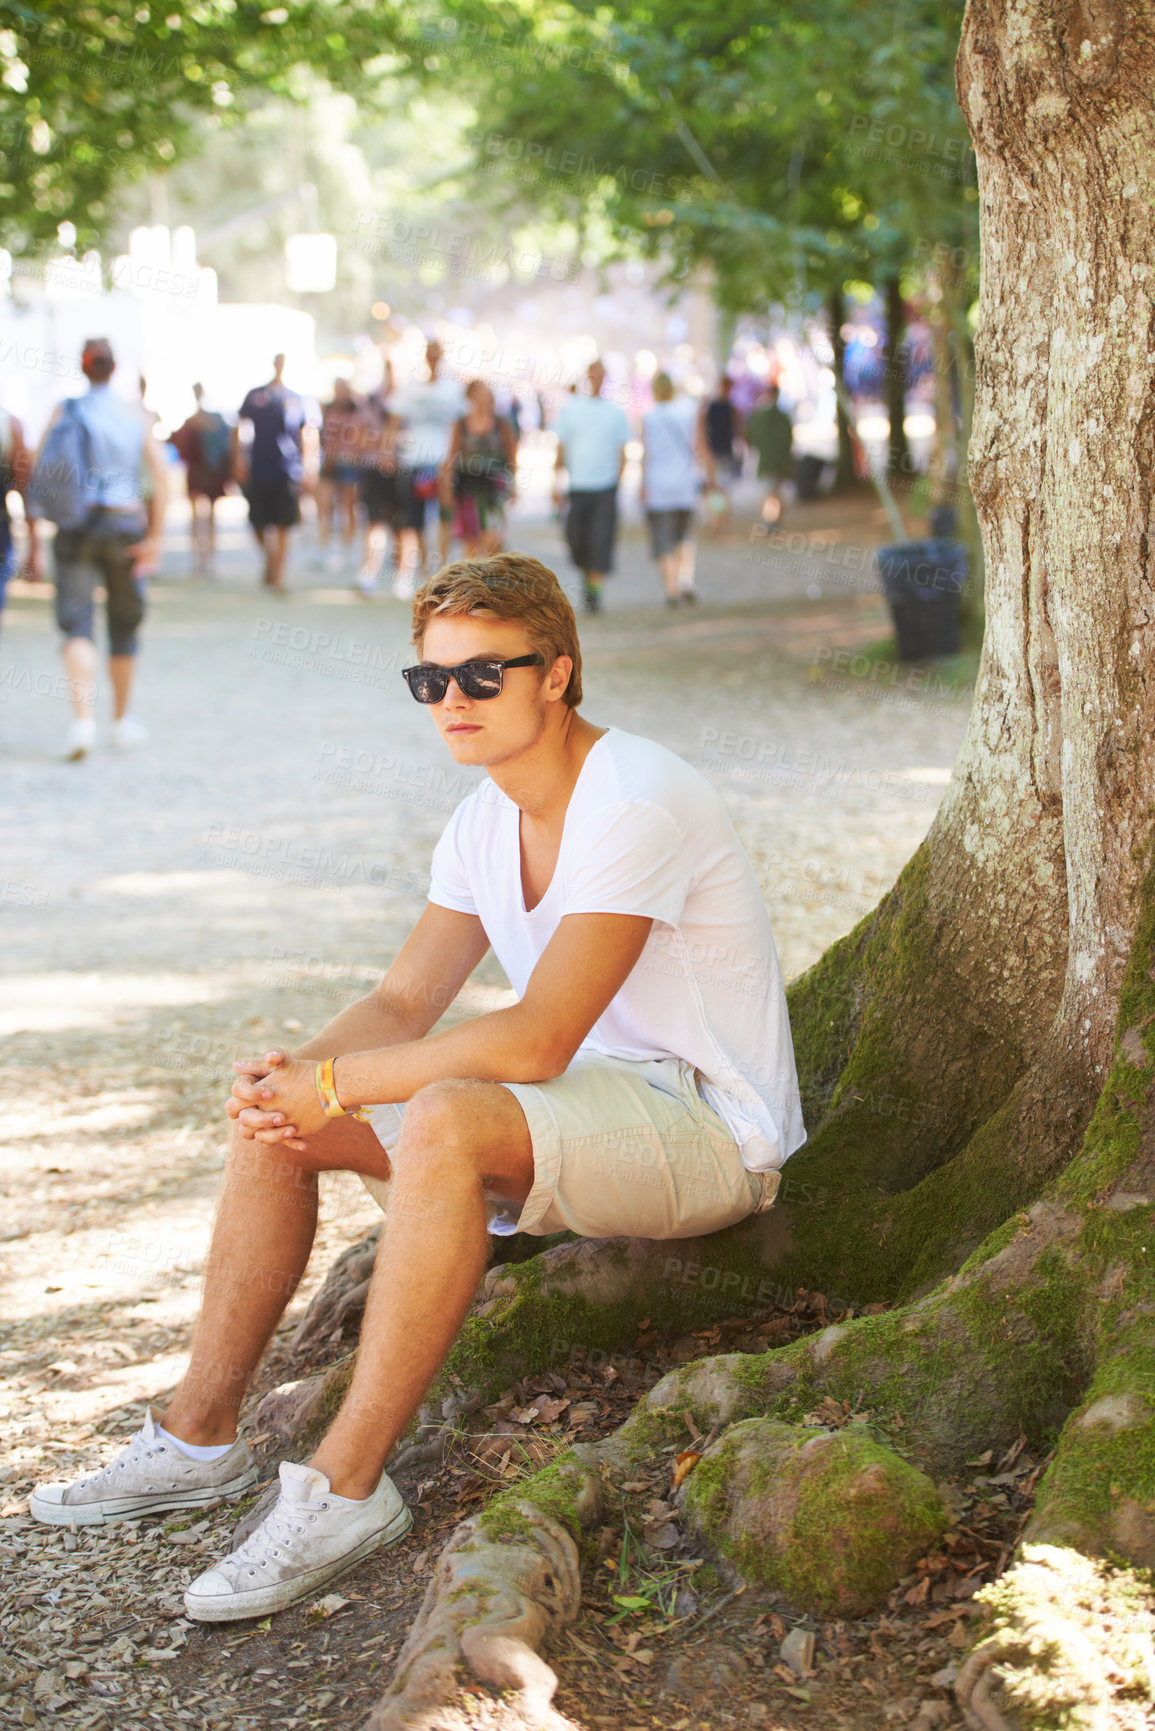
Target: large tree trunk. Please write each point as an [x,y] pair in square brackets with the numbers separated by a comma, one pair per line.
[978,1057]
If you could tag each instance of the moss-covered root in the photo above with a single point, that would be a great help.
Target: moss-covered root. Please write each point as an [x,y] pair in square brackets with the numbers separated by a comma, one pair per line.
[833,1519]
[592,1295]
[1071,1648]
[499,1591]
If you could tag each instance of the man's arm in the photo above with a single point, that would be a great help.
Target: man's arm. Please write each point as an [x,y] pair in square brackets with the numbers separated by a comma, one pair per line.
[585,964]
[430,969]
[148,551]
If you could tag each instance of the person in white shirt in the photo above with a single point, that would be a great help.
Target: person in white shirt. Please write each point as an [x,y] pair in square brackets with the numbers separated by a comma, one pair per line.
[426,416]
[642,1083]
[674,460]
[591,448]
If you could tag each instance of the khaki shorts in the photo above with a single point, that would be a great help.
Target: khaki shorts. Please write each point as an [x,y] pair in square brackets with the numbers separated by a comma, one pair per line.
[620,1149]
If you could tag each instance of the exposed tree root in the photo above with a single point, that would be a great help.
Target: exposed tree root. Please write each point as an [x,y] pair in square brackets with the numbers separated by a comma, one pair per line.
[1073,1645]
[488,1610]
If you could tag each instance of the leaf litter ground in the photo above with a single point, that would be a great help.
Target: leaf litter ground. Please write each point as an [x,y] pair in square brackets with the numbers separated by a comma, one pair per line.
[94,1638]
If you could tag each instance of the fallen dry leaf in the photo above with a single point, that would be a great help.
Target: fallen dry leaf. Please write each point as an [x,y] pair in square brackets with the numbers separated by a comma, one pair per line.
[684,1465]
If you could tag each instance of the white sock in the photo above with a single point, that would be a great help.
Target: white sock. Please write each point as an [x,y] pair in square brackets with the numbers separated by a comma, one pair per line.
[195,1451]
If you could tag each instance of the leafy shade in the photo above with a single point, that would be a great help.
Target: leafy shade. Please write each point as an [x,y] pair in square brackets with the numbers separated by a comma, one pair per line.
[820,146]
[95,95]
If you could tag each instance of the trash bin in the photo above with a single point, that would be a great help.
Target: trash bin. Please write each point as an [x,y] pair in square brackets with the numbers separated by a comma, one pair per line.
[922,580]
[808,476]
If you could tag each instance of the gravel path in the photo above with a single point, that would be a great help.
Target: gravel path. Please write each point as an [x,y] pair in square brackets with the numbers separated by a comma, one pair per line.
[250,871]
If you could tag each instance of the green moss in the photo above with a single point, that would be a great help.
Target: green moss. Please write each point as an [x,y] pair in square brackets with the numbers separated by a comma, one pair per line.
[996,1241]
[554,1490]
[838,1549]
[1113,1139]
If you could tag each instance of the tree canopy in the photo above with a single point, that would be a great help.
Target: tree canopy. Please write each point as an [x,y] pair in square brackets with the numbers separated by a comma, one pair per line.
[94,96]
[823,144]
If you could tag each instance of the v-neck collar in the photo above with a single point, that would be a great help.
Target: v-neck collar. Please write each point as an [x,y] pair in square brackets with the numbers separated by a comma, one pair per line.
[528,913]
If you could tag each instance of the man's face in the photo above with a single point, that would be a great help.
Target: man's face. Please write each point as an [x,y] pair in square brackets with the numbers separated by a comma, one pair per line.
[597,378]
[490,731]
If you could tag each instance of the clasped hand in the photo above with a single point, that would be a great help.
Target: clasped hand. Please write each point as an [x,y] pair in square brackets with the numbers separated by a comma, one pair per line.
[274,1100]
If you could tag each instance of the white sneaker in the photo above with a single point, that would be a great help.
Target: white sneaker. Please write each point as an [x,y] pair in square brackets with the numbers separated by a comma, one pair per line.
[310,1538]
[128,732]
[367,580]
[150,1475]
[81,738]
[404,585]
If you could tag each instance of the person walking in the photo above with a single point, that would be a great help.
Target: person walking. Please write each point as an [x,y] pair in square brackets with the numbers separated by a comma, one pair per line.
[721,428]
[15,464]
[271,469]
[428,411]
[770,432]
[111,535]
[591,448]
[379,432]
[478,475]
[342,428]
[673,461]
[202,443]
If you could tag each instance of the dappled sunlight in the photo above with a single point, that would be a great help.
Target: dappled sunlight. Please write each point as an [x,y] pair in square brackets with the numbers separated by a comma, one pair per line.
[123,1110]
[50,1002]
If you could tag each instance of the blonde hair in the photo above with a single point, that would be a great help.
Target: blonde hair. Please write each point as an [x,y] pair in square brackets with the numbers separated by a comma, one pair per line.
[507,586]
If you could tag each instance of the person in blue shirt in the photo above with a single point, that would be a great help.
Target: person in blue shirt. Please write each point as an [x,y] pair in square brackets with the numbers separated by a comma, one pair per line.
[118,547]
[591,448]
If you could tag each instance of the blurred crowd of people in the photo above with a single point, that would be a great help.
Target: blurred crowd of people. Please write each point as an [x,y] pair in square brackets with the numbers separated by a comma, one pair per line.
[398,475]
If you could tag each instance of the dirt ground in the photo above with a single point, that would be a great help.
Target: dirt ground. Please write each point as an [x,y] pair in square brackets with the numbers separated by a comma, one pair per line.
[237,881]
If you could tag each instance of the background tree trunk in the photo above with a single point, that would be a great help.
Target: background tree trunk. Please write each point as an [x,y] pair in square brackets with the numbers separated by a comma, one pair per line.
[898,451]
[844,474]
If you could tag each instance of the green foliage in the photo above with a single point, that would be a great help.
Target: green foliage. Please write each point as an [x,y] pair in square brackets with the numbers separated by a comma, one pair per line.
[820,144]
[92,97]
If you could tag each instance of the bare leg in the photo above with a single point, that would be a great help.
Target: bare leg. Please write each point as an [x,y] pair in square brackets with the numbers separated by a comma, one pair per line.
[668,566]
[263,1234]
[459,1140]
[349,514]
[276,547]
[80,666]
[326,491]
[685,555]
[412,550]
[121,669]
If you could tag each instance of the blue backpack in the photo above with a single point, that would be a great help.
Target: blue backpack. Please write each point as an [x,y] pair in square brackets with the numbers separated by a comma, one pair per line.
[62,484]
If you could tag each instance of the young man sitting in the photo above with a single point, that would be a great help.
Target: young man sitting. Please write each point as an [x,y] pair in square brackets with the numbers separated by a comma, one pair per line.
[643,1083]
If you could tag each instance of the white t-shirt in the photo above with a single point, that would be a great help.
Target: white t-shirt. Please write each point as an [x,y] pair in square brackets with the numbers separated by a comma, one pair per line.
[592,433]
[429,411]
[670,474]
[647,834]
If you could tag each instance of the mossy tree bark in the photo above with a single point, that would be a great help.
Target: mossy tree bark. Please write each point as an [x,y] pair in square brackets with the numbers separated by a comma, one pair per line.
[978,1056]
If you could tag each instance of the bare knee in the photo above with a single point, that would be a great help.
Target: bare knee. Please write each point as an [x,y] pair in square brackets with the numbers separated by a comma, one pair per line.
[262,1164]
[441,1129]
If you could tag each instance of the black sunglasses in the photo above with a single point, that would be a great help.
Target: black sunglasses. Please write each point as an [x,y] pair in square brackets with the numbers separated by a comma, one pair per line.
[476,679]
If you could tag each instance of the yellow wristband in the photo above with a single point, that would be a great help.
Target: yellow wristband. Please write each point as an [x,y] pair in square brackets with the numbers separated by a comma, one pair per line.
[327,1093]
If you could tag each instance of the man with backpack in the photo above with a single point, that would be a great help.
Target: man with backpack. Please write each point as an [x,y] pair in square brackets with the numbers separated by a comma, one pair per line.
[90,480]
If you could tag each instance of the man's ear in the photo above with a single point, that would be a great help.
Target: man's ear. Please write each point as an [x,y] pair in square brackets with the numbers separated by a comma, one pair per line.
[558,677]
